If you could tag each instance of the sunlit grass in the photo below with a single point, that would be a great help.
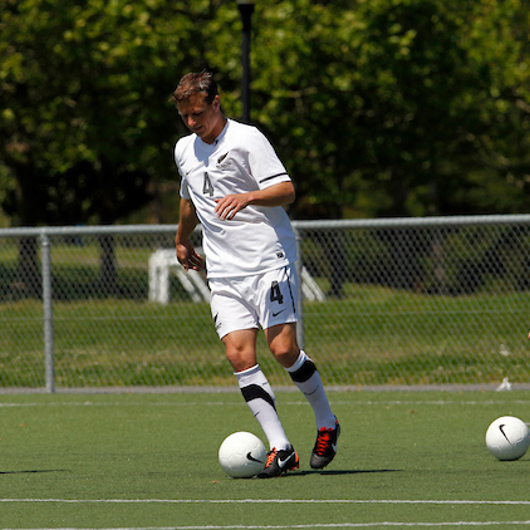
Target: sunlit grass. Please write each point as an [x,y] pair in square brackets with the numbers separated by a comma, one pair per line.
[378,336]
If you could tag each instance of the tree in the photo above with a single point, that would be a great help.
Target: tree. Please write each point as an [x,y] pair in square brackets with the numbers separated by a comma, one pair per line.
[362,100]
[84,87]
[497,153]
[379,107]
[389,107]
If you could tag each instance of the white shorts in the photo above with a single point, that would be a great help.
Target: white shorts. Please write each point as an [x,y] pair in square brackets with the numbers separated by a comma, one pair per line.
[249,302]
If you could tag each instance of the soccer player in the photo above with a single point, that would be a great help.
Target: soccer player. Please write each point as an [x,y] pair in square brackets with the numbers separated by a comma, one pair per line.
[234,184]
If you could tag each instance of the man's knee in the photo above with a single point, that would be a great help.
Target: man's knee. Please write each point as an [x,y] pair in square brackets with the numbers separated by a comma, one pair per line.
[285,353]
[240,349]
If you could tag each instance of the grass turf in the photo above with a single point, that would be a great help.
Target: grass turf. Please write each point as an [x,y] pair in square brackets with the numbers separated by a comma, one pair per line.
[396,339]
[150,461]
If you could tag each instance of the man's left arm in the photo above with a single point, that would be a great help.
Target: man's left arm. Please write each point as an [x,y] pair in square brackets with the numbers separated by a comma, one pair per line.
[279,194]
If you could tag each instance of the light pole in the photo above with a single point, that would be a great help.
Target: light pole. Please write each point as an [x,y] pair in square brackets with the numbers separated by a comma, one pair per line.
[246,8]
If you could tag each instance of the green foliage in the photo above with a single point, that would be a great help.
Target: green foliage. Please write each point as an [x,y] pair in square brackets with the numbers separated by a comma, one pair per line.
[378,107]
[85,91]
[375,106]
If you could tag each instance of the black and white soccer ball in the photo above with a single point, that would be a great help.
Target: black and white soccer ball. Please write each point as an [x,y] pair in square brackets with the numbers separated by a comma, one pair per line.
[508,438]
[242,455]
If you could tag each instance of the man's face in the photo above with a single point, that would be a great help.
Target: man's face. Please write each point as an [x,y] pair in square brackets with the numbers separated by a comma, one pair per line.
[200,117]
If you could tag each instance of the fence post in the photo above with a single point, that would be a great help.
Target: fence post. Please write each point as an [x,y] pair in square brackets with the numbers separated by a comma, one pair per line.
[47,301]
[300,333]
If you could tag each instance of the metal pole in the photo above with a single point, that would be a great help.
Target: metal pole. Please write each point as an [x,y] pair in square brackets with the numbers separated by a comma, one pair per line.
[246,8]
[47,301]
[300,330]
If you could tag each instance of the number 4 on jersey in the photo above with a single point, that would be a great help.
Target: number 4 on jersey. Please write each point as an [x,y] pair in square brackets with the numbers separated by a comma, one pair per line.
[207,187]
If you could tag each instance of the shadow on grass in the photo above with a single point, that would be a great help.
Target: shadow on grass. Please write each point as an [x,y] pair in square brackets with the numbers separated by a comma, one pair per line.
[332,472]
[35,471]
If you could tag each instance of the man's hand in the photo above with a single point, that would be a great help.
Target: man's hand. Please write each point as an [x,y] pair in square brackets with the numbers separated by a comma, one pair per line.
[277,195]
[229,205]
[188,258]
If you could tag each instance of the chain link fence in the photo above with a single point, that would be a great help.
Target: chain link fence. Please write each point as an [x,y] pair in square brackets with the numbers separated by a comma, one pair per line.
[399,302]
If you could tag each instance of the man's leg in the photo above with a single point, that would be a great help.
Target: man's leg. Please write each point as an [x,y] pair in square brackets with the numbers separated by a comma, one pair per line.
[303,372]
[306,377]
[282,342]
[241,352]
[257,392]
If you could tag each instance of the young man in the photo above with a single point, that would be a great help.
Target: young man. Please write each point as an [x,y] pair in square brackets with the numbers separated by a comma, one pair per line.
[234,184]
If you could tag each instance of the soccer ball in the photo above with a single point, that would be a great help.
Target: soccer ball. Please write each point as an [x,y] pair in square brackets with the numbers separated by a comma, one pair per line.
[508,438]
[242,455]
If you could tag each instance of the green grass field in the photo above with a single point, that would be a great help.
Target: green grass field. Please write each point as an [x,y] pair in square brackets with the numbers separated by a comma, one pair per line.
[373,335]
[378,337]
[415,459]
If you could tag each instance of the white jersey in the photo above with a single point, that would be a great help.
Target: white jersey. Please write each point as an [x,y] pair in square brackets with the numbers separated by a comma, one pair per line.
[258,239]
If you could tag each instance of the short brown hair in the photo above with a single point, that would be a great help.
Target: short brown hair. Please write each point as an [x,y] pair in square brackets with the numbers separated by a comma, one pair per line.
[196,83]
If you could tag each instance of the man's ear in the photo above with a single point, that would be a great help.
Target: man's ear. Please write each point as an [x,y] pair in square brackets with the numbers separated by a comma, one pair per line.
[216,103]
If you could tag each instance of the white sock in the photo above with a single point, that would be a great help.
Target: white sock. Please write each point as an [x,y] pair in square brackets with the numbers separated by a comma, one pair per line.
[261,400]
[306,377]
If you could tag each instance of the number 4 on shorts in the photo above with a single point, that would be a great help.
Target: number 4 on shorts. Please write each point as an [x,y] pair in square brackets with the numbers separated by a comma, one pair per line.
[276,293]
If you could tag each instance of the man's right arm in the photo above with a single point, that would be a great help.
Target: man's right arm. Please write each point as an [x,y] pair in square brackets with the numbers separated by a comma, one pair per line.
[188,220]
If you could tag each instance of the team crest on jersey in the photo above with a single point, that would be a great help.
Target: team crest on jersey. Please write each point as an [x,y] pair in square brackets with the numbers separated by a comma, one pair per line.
[222,162]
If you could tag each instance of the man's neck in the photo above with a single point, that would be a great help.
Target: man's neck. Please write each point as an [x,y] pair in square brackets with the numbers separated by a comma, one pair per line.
[217,131]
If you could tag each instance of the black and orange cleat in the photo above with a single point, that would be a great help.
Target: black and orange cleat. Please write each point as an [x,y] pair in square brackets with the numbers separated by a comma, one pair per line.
[325,447]
[279,462]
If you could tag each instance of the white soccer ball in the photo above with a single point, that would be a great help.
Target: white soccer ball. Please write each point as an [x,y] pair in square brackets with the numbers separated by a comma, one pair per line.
[508,438]
[242,455]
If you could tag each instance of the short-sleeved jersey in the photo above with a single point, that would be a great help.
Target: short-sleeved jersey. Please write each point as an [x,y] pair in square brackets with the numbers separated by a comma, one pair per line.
[257,239]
